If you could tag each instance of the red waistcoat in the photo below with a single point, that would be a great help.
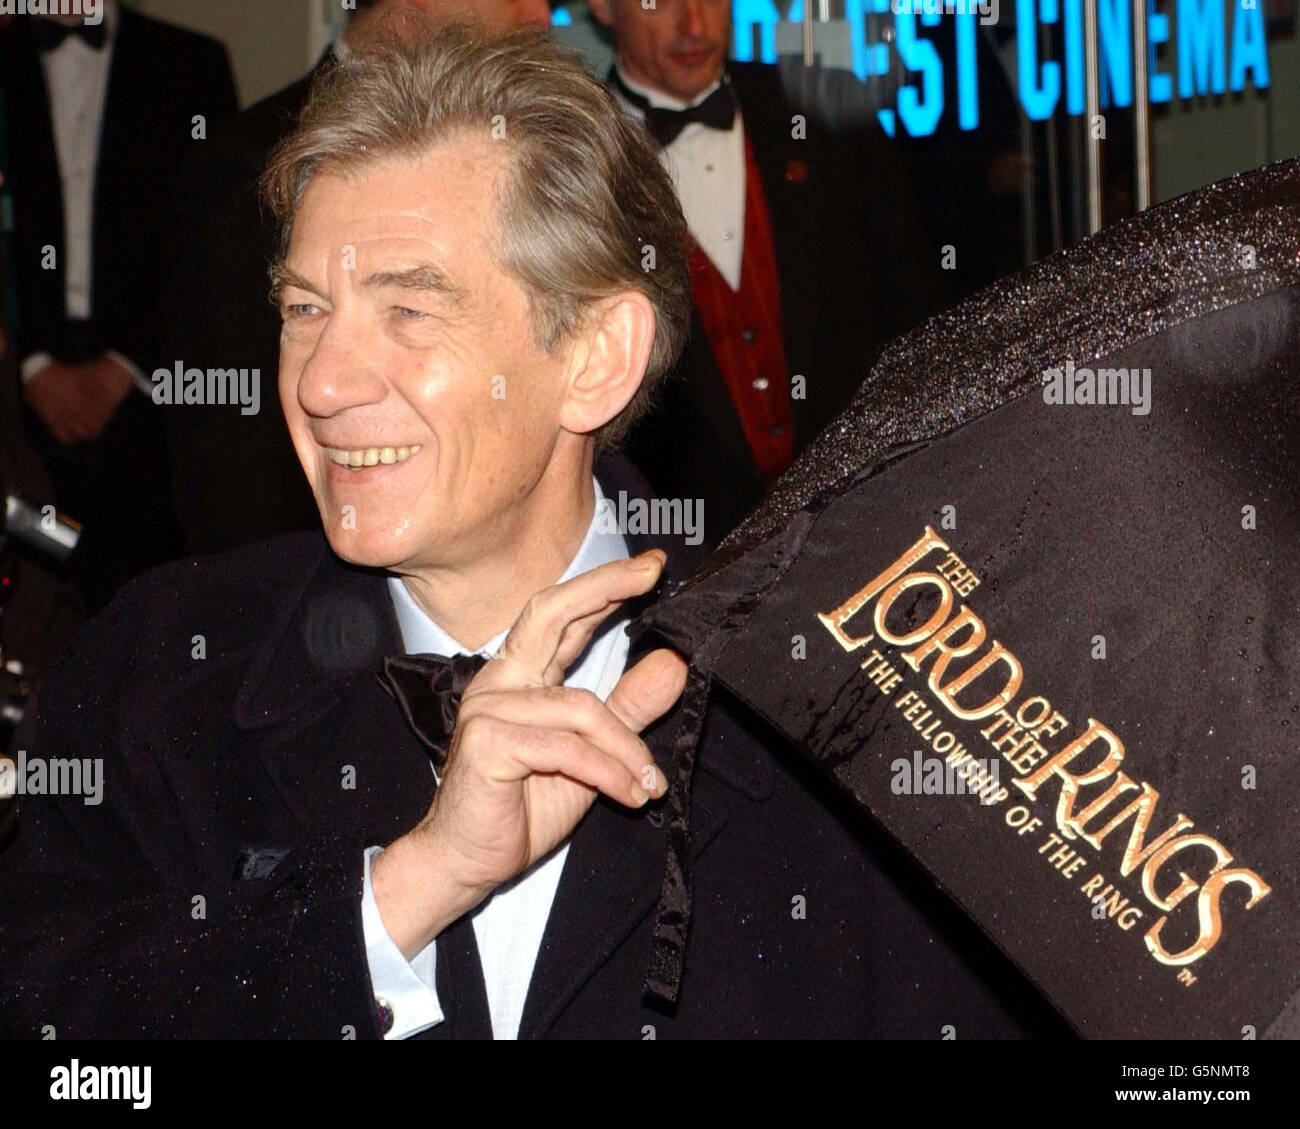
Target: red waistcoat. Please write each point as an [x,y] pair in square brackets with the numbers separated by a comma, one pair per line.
[744,329]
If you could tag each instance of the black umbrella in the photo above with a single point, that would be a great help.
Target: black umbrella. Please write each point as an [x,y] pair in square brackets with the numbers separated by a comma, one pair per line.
[1032,601]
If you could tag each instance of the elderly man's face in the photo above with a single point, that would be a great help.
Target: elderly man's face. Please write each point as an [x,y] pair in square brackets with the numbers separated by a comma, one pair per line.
[677,46]
[421,409]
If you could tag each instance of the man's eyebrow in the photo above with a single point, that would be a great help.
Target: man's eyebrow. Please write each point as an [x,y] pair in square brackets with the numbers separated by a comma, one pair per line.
[282,276]
[422,276]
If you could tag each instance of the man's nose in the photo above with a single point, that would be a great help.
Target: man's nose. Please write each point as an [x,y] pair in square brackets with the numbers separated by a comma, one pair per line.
[337,375]
[690,19]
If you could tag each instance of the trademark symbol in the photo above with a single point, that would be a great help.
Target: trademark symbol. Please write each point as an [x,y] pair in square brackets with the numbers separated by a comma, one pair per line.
[1186,977]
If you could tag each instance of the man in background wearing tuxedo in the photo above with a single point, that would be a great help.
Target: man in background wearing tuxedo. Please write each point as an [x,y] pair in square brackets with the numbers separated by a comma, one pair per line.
[807,256]
[99,116]
[217,309]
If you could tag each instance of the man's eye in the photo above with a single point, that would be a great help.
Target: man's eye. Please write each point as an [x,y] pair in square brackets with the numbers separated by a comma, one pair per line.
[408,314]
[300,310]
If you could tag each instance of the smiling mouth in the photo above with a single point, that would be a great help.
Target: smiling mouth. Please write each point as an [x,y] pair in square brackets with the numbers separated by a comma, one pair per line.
[370,456]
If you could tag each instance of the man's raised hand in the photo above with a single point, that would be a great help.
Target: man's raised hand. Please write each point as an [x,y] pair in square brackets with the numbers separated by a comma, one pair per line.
[529,756]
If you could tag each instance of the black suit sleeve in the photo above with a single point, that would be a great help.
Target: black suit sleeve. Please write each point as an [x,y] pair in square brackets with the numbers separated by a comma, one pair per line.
[112,925]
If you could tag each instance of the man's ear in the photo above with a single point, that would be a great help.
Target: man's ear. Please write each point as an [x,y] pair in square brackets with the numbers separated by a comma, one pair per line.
[608,361]
[602,10]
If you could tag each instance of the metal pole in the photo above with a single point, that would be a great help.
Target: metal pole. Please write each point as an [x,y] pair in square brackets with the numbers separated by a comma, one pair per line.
[1092,73]
[1141,107]
[1054,205]
[807,33]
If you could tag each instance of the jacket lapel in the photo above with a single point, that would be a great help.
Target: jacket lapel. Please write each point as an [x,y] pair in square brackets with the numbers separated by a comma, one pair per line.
[311,700]
[124,153]
[611,882]
[615,867]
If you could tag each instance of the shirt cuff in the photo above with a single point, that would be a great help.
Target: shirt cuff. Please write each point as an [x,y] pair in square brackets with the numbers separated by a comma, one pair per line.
[142,382]
[37,362]
[406,989]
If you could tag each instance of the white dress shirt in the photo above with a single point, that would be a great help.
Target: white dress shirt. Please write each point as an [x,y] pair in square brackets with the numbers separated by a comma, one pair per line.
[708,168]
[76,82]
[508,926]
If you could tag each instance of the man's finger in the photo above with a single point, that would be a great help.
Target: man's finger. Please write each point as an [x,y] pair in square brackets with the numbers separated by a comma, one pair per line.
[568,613]
[534,750]
[649,689]
[574,711]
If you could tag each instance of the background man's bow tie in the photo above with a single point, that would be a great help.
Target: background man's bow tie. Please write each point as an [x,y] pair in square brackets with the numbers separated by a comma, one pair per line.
[717,111]
[428,689]
[50,33]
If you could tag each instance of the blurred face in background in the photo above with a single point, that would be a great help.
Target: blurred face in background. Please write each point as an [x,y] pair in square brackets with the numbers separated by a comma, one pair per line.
[677,47]
[497,15]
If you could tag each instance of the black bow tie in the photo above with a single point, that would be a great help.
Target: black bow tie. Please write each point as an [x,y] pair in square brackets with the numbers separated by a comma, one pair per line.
[428,689]
[717,111]
[50,33]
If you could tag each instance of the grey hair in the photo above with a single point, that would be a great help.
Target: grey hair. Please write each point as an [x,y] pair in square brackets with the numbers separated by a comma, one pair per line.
[587,210]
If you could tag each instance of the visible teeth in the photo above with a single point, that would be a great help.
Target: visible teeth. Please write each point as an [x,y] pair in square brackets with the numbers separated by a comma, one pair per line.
[370,456]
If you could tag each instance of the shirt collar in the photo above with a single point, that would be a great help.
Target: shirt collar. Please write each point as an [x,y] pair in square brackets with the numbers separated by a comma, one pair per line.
[421,635]
[658,98]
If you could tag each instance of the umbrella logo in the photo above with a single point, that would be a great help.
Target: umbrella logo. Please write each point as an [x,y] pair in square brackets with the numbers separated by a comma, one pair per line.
[982,701]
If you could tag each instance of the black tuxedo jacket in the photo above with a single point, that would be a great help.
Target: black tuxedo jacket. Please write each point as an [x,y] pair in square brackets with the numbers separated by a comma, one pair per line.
[218,315]
[159,912]
[160,77]
[856,269]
